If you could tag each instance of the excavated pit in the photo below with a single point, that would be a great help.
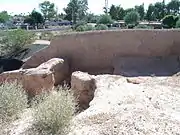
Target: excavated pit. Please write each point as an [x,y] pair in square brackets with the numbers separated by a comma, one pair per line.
[130,67]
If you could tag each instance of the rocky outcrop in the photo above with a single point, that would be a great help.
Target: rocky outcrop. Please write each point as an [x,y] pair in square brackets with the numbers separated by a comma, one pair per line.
[35,80]
[83,86]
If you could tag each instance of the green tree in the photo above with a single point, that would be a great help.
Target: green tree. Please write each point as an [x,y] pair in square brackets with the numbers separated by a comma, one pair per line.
[76,9]
[105,19]
[4,16]
[91,18]
[132,17]
[150,13]
[113,12]
[173,7]
[48,10]
[120,13]
[140,10]
[35,18]
[169,21]
[128,10]
[15,40]
[159,10]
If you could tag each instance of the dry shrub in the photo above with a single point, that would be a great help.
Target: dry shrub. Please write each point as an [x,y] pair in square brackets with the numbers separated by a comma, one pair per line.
[13,99]
[53,112]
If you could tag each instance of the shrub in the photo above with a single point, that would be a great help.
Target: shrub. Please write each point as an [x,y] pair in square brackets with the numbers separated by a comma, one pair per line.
[132,17]
[13,100]
[142,26]
[130,26]
[54,112]
[169,21]
[84,28]
[105,19]
[178,24]
[101,27]
[15,40]
[80,23]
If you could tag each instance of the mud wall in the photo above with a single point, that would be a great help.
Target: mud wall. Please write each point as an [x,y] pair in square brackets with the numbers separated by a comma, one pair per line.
[97,51]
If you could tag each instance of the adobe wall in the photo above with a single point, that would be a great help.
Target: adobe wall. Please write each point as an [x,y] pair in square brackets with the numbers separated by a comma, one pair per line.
[98,50]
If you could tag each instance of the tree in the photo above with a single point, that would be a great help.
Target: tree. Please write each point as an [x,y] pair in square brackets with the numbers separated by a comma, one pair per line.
[150,13]
[105,19]
[116,12]
[173,7]
[169,21]
[35,18]
[4,16]
[76,9]
[120,13]
[132,17]
[140,10]
[48,10]
[113,12]
[91,18]
[128,10]
[15,40]
[159,10]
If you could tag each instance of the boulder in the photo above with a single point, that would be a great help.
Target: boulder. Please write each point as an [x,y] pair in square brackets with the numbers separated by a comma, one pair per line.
[83,86]
[34,80]
[59,67]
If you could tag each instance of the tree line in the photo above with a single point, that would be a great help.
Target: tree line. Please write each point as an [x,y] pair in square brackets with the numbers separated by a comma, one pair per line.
[155,12]
[76,10]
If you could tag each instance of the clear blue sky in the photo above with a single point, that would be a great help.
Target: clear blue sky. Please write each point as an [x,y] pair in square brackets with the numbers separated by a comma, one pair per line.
[95,6]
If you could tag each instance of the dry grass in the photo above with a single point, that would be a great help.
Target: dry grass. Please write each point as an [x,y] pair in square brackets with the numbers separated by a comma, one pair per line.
[13,100]
[53,112]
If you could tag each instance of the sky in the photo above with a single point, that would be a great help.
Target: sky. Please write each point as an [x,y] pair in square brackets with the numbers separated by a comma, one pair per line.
[95,6]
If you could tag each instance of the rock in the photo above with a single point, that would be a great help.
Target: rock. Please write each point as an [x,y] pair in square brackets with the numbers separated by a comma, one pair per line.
[136,80]
[59,67]
[83,86]
[35,80]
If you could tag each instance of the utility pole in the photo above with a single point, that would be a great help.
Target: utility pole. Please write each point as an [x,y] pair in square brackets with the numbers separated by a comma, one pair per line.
[106,6]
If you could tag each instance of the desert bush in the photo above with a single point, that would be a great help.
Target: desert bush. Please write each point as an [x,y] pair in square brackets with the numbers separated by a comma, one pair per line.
[105,19]
[15,40]
[169,21]
[13,100]
[84,28]
[101,27]
[132,17]
[53,113]
[142,26]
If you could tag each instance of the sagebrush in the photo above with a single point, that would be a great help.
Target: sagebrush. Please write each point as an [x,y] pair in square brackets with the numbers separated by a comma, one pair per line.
[53,112]
[13,100]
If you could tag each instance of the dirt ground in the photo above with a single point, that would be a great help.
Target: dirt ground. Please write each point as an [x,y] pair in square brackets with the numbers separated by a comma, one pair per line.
[121,108]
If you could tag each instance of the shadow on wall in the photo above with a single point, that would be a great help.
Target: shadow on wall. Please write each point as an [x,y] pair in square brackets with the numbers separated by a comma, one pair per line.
[147,66]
